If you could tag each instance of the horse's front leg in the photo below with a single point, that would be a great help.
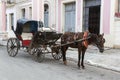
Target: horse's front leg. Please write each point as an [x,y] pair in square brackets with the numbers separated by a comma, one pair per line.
[83,54]
[63,49]
[79,56]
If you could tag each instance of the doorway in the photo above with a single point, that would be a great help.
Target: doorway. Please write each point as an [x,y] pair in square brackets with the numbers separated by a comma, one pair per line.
[94,19]
[91,16]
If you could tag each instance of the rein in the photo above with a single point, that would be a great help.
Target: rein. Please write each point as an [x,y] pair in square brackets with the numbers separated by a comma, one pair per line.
[80,40]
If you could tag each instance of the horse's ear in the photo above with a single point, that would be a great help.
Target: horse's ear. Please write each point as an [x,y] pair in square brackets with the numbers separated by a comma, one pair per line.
[89,34]
[102,34]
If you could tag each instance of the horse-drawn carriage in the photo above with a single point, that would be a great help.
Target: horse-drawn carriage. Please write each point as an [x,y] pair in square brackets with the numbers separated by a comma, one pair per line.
[30,35]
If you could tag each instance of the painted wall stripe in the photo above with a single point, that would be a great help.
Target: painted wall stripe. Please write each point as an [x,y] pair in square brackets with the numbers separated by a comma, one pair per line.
[3,16]
[59,15]
[106,16]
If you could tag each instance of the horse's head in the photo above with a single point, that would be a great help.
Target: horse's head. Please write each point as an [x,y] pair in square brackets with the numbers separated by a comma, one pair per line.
[99,41]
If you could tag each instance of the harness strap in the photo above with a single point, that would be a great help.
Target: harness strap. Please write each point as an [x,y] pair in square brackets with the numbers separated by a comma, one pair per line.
[85,42]
[76,36]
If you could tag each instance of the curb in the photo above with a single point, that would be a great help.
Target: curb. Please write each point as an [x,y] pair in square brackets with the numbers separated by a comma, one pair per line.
[89,62]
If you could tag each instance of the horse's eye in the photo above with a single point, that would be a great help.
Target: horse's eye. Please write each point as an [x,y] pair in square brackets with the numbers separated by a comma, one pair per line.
[98,40]
[104,40]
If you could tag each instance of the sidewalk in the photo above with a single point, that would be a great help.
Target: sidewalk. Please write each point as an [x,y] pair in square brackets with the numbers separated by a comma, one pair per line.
[109,59]
[3,42]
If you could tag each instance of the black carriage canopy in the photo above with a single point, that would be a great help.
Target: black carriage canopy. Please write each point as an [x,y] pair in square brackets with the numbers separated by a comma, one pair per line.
[28,26]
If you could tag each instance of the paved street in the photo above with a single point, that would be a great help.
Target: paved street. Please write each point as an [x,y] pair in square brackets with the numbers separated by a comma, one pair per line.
[23,67]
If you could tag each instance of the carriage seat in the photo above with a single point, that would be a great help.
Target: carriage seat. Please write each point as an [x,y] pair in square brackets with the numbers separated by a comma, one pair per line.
[45,29]
[27,36]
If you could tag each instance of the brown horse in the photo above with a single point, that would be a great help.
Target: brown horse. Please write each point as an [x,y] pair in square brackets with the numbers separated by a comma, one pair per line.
[67,37]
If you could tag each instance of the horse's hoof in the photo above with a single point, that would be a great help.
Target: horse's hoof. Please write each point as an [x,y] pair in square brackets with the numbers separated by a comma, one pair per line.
[79,68]
[65,62]
[83,67]
[78,65]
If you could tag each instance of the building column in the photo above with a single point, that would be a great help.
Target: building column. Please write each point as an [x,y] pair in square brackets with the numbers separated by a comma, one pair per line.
[0,16]
[79,15]
[106,16]
[59,16]
[3,16]
[38,10]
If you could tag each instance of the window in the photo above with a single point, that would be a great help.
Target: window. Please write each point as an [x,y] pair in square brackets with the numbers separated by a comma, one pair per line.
[30,14]
[12,19]
[6,22]
[23,13]
[117,8]
[10,1]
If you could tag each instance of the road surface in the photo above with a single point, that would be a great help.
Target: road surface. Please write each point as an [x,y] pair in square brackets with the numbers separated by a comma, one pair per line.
[23,67]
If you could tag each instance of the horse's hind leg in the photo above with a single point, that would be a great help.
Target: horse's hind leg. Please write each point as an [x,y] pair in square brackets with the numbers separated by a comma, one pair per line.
[64,49]
[79,56]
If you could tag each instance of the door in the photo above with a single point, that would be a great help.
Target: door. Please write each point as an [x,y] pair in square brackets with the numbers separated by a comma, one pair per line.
[94,19]
[70,17]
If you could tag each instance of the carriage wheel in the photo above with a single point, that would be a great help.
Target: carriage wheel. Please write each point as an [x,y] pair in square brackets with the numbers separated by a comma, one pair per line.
[13,46]
[38,54]
[32,51]
[57,55]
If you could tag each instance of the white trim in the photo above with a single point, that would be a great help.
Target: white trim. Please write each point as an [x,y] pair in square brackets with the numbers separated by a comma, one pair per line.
[76,19]
[81,16]
[57,15]
[63,17]
[42,10]
[32,9]
[25,4]
[101,16]
[68,1]
[112,14]
[38,10]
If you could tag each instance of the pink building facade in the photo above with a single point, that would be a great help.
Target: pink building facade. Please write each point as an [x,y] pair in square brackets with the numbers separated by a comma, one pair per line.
[105,13]
[3,16]
[76,16]
[70,16]
[3,33]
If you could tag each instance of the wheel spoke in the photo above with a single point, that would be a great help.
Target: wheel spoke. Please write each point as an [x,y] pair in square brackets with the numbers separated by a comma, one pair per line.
[39,55]
[56,55]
